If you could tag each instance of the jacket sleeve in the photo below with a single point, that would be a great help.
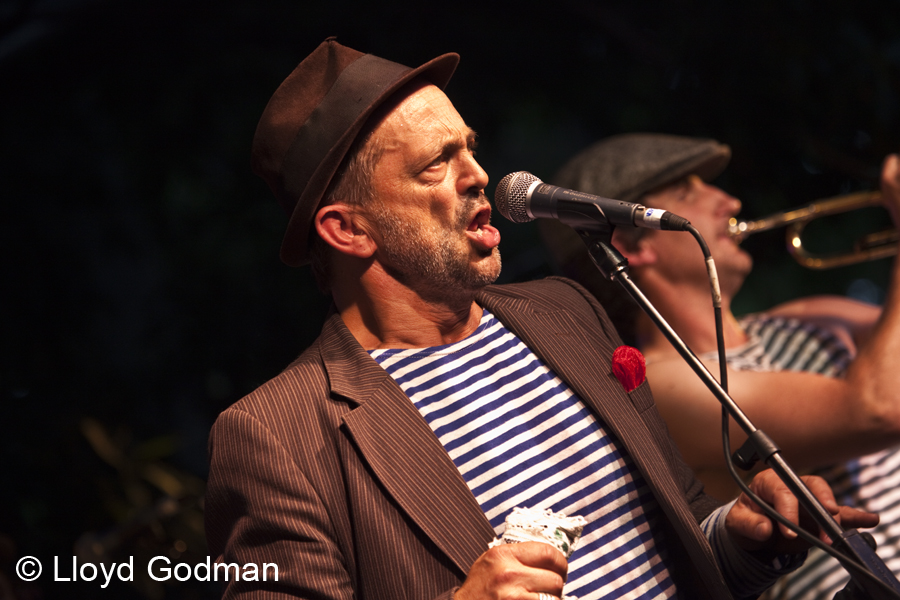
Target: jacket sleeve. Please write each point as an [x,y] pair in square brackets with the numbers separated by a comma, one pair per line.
[261,509]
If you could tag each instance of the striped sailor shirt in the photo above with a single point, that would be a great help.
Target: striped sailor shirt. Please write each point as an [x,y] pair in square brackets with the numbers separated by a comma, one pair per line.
[520,437]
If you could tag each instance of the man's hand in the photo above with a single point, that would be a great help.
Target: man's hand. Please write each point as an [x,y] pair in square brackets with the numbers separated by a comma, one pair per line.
[515,571]
[890,186]
[752,530]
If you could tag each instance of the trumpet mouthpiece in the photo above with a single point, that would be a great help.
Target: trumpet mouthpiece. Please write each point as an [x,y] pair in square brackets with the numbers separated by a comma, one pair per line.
[737,229]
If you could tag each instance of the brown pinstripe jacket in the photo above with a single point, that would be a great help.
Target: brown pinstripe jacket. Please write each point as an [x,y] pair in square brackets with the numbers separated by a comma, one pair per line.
[329,471]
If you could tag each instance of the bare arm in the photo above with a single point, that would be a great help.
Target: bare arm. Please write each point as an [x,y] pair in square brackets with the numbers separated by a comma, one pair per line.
[816,420]
[812,418]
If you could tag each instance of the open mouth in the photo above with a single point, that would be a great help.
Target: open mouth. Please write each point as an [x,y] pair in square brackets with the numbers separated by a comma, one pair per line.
[482,218]
[484,236]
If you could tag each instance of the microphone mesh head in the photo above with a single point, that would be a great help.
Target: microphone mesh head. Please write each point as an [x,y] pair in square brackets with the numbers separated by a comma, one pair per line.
[510,196]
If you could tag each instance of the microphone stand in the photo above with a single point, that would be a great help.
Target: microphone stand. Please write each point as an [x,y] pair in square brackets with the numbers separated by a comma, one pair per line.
[866,568]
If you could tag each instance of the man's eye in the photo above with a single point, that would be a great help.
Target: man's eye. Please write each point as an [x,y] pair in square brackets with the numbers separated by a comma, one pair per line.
[436,162]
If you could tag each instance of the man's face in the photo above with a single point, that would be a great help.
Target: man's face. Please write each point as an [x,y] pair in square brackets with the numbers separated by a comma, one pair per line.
[429,206]
[708,209]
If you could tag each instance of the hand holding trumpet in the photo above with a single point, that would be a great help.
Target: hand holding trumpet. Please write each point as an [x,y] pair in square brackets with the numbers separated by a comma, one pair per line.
[881,244]
[890,186]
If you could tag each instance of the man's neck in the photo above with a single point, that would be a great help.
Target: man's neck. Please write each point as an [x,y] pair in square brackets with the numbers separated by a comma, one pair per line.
[393,316]
[689,311]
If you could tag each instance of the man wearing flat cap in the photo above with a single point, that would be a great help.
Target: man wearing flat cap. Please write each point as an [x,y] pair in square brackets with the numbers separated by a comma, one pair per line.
[383,462]
[819,375]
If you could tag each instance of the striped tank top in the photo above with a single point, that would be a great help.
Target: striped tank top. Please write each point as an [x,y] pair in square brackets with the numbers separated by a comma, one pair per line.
[871,482]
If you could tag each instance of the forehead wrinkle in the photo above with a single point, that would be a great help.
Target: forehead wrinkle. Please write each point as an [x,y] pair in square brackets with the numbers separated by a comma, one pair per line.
[424,125]
[453,139]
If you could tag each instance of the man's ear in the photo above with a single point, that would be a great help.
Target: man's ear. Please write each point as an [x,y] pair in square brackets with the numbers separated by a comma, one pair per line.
[345,230]
[639,251]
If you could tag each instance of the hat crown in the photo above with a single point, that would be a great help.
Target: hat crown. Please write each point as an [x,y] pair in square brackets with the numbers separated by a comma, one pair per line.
[628,166]
[290,107]
[311,121]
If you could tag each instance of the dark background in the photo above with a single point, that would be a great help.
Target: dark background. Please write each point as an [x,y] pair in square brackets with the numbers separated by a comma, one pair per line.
[141,287]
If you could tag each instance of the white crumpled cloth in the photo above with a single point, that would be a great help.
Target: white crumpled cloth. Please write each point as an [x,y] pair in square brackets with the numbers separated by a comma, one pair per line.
[536,525]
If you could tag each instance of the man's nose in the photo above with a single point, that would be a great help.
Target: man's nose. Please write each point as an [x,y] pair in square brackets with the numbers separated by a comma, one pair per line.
[727,203]
[472,176]
[733,205]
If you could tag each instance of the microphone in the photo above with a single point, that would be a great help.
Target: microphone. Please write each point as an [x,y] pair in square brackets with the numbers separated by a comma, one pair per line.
[522,197]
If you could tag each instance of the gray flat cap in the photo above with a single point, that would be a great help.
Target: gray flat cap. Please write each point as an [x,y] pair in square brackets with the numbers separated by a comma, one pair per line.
[626,167]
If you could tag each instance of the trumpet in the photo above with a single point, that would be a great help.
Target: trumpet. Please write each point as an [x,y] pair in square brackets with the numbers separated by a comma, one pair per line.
[881,244]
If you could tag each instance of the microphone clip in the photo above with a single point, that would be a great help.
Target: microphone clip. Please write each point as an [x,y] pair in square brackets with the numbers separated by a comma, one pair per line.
[607,259]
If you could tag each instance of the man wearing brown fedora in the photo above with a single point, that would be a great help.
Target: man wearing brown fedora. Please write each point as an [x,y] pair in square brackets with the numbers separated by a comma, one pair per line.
[383,462]
[818,374]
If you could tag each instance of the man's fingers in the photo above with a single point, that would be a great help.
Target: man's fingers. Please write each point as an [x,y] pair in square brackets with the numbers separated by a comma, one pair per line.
[852,518]
[516,570]
[539,556]
[752,529]
[891,169]
[769,487]
[890,186]
[820,488]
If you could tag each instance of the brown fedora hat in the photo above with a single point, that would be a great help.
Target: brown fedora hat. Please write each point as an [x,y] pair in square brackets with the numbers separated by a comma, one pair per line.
[311,121]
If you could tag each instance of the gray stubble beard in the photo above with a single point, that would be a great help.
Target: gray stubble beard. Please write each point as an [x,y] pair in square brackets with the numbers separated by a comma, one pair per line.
[431,262]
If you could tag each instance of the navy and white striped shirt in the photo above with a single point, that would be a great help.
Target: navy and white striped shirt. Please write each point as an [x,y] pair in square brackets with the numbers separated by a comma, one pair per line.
[521,437]
[870,482]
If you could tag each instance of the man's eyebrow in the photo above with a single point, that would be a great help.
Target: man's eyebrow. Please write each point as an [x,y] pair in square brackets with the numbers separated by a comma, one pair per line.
[471,137]
[452,144]
[680,186]
[444,148]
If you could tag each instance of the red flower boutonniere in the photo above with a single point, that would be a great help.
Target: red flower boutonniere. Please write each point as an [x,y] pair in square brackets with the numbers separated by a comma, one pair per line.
[629,367]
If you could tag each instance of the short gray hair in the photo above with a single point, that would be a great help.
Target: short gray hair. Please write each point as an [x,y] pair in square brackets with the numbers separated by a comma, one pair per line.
[352,185]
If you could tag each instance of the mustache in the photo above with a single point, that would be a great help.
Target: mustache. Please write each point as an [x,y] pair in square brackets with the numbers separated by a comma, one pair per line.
[472,204]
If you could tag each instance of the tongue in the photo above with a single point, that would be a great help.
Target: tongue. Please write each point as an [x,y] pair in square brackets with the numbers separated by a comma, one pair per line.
[486,238]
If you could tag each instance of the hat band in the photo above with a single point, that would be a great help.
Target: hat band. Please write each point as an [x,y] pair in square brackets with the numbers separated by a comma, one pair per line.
[358,86]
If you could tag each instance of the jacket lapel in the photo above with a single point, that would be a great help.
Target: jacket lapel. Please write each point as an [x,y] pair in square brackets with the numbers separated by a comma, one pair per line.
[403,452]
[569,351]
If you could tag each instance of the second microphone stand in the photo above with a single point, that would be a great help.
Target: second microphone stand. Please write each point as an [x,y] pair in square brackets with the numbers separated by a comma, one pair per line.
[866,569]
